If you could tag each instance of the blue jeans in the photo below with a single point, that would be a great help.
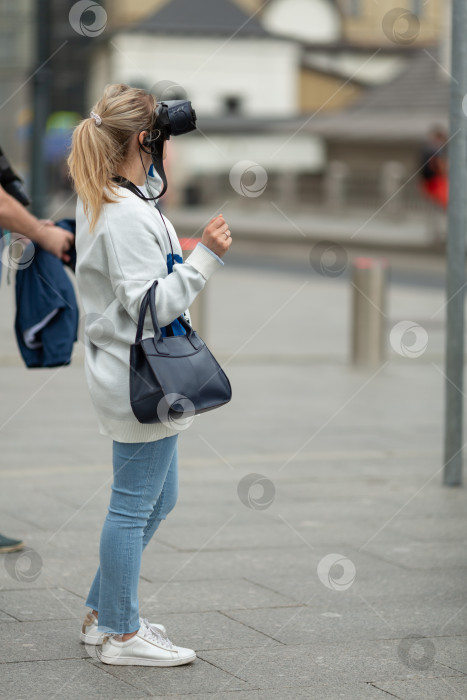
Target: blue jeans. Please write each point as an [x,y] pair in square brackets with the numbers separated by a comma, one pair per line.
[144,491]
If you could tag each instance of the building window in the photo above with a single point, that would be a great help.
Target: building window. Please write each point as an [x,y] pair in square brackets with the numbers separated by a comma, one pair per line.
[232,104]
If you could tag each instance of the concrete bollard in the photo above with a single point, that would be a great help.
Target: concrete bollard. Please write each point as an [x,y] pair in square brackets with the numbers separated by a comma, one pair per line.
[369,282]
[198,307]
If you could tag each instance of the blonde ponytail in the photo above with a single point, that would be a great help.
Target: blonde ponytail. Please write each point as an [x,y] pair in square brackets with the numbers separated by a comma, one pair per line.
[100,144]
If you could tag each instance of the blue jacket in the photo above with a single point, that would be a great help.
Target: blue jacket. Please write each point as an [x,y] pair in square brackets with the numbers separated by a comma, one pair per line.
[46,321]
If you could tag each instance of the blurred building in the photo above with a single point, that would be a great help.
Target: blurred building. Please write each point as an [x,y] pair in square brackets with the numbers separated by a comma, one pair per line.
[332,97]
[16,58]
[62,78]
[374,91]
[241,78]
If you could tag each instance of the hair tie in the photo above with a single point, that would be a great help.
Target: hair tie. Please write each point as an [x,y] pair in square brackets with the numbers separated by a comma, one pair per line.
[96,118]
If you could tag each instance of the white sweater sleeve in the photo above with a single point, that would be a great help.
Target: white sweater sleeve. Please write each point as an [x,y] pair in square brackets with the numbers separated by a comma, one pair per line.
[136,259]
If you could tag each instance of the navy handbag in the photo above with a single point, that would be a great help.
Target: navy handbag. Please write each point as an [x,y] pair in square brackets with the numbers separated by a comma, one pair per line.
[175,376]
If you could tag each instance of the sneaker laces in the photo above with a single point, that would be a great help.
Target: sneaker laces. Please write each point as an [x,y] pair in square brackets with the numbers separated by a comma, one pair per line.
[156,635]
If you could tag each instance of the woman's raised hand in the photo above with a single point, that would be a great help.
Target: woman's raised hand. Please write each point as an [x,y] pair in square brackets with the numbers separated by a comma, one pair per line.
[217,236]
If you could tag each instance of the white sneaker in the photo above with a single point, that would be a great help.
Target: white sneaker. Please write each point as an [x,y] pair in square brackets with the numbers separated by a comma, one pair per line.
[148,647]
[90,633]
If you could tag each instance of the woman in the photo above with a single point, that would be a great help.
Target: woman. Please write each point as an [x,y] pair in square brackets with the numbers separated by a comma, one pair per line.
[123,244]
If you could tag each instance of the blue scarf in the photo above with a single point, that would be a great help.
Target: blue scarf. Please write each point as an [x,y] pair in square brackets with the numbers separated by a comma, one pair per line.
[176,326]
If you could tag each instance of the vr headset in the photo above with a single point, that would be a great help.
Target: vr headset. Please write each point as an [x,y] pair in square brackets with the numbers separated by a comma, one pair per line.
[171,118]
[174,117]
[10,181]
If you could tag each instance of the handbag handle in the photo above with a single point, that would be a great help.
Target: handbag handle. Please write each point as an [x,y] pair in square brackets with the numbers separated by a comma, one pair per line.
[142,315]
[150,298]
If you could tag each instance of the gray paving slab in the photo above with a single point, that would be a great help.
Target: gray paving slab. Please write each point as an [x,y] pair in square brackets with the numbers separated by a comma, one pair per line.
[428,689]
[293,426]
[41,604]
[15,522]
[349,662]
[210,630]
[74,541]
[279,568]
[71,571]
[197,677]
[71,679]
[362,489]
[436,586]
[317,691]
[302,580]
[369,587]
[42,641]
[392,494]
[419,528]
[372,510]
[203,596]
[451,651]
[356,619]
[354,460]
[346,454]
[41,510]
[270,562]
[348,534]
[4,617]
[422,555]
[224,535]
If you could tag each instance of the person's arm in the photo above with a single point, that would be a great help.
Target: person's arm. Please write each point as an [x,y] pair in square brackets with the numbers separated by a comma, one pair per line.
[15,218]
[136,260]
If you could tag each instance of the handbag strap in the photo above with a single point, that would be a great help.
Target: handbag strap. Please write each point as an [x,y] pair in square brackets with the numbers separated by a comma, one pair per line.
[150,299]
[142,313]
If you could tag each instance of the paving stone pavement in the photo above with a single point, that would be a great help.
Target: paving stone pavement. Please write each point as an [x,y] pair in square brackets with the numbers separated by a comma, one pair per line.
[341,576]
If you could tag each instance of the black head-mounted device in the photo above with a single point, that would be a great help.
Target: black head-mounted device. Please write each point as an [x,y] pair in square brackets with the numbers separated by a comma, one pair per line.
[171,118]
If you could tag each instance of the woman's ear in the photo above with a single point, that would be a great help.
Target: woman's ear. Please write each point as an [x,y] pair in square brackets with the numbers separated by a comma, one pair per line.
[141,137]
